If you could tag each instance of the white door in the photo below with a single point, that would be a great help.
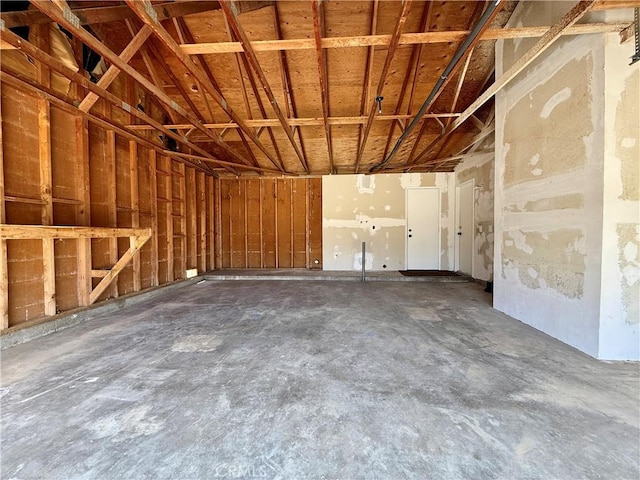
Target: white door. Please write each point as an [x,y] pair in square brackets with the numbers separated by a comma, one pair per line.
[465,228]
[423,229]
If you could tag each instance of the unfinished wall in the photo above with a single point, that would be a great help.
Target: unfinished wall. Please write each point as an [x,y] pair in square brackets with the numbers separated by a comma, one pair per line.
[619,306]
[479,167]
[352,205]
[550,196]
[269,222]
[60,169]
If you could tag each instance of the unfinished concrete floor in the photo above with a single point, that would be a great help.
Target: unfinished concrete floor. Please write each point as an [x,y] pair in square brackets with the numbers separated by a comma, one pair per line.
[306,379]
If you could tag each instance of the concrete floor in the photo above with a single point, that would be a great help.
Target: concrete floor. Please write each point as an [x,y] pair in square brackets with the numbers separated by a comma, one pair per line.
[306,379]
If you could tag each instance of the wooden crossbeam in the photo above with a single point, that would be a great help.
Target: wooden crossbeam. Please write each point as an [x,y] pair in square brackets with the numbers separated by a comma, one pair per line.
[373,108]
[321,61]
[39,232]
[137,238]
[405,39]
[297,122]
[553,34]
[231,14]
[113,71]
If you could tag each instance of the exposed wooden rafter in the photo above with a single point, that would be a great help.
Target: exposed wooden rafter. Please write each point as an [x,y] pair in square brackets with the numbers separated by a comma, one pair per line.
[553,34]
[393,46]
[142,9]
[241,60]
[366,84]
[79,79]
[321,60]
[65,19]
[231,13]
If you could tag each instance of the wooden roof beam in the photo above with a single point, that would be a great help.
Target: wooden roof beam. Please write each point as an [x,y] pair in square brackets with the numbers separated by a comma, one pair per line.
[242,59]
[231,13]
[65,19]
[385,40]
[93,15]
[291,109]
[366,86]
[321,61]
[413,66]
[393,46]
[223,163]
[144,11]
[548,39]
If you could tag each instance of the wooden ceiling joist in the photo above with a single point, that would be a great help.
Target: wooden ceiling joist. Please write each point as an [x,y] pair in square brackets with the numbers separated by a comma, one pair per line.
[553,34]
[142,9]
[373,106]
[321,61]
[385,40]
[300,122]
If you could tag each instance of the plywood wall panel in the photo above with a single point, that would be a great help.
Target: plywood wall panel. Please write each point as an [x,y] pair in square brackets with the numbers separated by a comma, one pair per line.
[270,223]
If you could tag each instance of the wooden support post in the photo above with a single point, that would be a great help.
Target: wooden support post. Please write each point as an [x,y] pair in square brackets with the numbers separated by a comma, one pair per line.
[169,217]
[135,209]
[48,250]
[211,246]
[4,277]
[41,33]
[202,221]
[190,201]
[218,223]
[153,201]
[183,219]
[83,210]
[110,150]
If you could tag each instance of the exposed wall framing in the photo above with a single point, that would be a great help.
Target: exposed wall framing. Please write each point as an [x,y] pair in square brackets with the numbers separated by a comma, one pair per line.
[60,169]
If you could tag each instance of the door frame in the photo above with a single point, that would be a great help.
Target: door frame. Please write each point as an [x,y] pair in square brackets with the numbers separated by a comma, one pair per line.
[456,264]
[406,226]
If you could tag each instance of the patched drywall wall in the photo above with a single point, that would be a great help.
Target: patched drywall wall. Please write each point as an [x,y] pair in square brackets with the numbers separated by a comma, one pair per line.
[479,167]
[372,209]
[548,191]
[619,307]
[566,191]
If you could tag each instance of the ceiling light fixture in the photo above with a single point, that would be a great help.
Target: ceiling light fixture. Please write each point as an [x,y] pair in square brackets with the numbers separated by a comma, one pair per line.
[379,100]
